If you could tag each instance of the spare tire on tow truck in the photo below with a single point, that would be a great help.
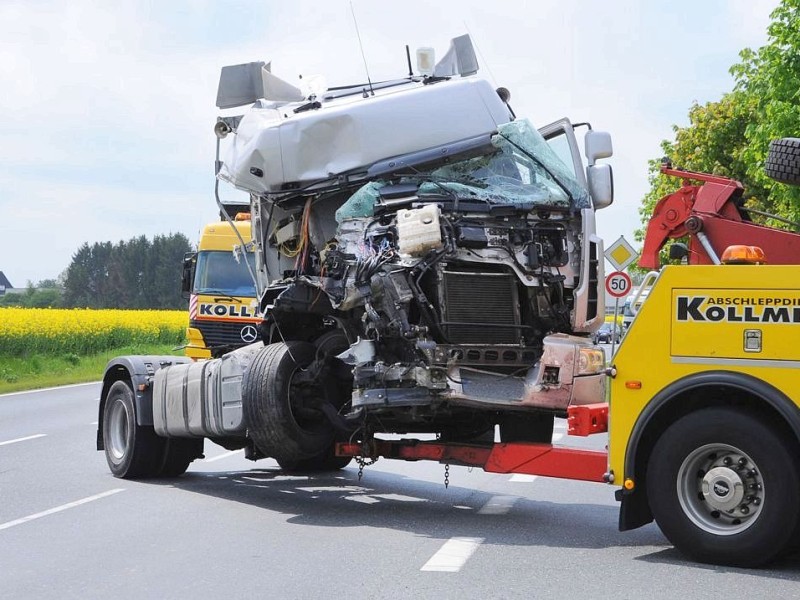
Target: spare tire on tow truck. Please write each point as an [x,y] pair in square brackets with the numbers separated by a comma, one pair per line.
[783,161]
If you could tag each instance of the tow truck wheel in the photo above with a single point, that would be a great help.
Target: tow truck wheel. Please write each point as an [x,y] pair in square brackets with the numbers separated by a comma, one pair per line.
[783,161]
[280,398]
[723,487]
[131,450]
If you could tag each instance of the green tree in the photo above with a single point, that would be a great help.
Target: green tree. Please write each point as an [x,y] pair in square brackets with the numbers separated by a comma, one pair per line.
[770,77]
[730,137]
[133,274]
[713,142]
[47,284]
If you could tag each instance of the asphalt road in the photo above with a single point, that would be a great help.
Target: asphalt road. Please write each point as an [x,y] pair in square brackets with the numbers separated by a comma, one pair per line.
[231,528]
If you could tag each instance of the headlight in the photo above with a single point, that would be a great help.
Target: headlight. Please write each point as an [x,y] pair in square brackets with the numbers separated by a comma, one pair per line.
[591,360]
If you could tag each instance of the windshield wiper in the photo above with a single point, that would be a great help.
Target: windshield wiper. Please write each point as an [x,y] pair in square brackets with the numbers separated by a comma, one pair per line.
[219,295]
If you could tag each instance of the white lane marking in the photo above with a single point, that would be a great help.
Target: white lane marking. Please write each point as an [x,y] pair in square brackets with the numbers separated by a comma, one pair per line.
[57,509]
[23,439]
[224,455]
[49,389]
[498,505]
[452,556]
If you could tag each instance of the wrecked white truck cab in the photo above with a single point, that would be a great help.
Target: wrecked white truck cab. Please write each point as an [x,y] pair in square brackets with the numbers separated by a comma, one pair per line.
[426,263]
[434,254]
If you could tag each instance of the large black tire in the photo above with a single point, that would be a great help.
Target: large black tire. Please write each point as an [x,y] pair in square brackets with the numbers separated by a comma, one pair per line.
[276,418]
[724,488]
[534,427]
[783,161]
[131,450]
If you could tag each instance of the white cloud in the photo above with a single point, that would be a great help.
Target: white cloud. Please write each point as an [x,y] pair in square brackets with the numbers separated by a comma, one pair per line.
[107,108]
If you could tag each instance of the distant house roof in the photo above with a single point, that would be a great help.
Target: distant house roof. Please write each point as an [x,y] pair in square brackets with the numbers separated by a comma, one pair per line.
[4,282]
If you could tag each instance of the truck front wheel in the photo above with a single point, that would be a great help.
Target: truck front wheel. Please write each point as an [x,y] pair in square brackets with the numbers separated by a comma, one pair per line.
[131,450]
[281,398]
[723,487]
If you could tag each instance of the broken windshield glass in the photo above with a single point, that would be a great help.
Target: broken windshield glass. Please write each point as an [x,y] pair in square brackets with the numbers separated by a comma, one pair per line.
[523,171]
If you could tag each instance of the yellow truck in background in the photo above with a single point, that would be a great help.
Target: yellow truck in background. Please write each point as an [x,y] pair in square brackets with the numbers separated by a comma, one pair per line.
[223,309]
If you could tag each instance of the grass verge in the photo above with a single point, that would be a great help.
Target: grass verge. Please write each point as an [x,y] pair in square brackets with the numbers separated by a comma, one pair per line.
[18,373]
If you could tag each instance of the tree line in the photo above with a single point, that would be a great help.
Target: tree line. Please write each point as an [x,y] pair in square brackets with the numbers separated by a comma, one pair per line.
[132,274]
[730,137]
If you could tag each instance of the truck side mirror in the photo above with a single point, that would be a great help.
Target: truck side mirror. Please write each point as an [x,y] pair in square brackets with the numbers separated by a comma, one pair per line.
[187,273]
[597,145]
[601,185]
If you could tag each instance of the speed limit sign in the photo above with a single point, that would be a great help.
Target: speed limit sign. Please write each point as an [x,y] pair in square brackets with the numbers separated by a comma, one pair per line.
[618,284]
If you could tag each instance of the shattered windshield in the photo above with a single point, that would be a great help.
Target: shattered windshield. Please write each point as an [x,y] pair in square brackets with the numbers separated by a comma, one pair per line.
[523,171]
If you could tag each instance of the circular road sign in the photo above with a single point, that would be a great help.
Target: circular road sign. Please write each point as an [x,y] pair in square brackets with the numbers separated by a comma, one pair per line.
[618,284]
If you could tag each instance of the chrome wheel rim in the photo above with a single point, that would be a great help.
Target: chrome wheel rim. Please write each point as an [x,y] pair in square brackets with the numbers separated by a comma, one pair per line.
[118,429]
[720,489]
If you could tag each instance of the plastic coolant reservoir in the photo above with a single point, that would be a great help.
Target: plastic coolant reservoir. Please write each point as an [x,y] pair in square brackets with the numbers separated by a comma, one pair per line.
[418,230]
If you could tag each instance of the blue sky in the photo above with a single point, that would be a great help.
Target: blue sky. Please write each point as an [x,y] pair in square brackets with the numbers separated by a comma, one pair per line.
[108,107]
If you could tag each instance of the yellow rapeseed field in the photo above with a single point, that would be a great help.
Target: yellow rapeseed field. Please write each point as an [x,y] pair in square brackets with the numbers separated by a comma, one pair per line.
[86,331]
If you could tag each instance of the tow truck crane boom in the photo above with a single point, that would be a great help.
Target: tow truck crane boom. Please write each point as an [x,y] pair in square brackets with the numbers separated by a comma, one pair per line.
[713,216]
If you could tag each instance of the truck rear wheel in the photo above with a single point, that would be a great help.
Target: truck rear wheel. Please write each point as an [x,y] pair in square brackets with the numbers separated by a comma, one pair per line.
[723,487]
[783,161]
[131,450]
[281,404]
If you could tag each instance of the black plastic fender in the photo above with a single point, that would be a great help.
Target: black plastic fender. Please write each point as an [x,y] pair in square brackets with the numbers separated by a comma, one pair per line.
[138,371]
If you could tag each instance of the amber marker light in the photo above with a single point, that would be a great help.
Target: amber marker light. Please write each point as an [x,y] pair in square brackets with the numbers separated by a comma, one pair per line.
[629,484]
[633,385]
[743,255]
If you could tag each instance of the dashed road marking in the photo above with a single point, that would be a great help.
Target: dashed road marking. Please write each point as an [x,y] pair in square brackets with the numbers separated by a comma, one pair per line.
[498,505]
[224,455]
[453,554]
[520,477]
[57,509]
[23,439]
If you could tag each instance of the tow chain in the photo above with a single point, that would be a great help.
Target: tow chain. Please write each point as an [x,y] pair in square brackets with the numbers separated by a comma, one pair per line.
[446,475]
[364,462]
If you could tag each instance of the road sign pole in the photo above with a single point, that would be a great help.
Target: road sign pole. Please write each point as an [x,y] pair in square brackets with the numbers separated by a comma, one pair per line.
[614,329]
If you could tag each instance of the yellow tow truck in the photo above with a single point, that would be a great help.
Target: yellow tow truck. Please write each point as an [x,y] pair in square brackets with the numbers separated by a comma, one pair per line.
[704,425]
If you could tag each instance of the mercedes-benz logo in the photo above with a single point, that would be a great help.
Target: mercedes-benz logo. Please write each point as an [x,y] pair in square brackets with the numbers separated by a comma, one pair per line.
[249,334]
